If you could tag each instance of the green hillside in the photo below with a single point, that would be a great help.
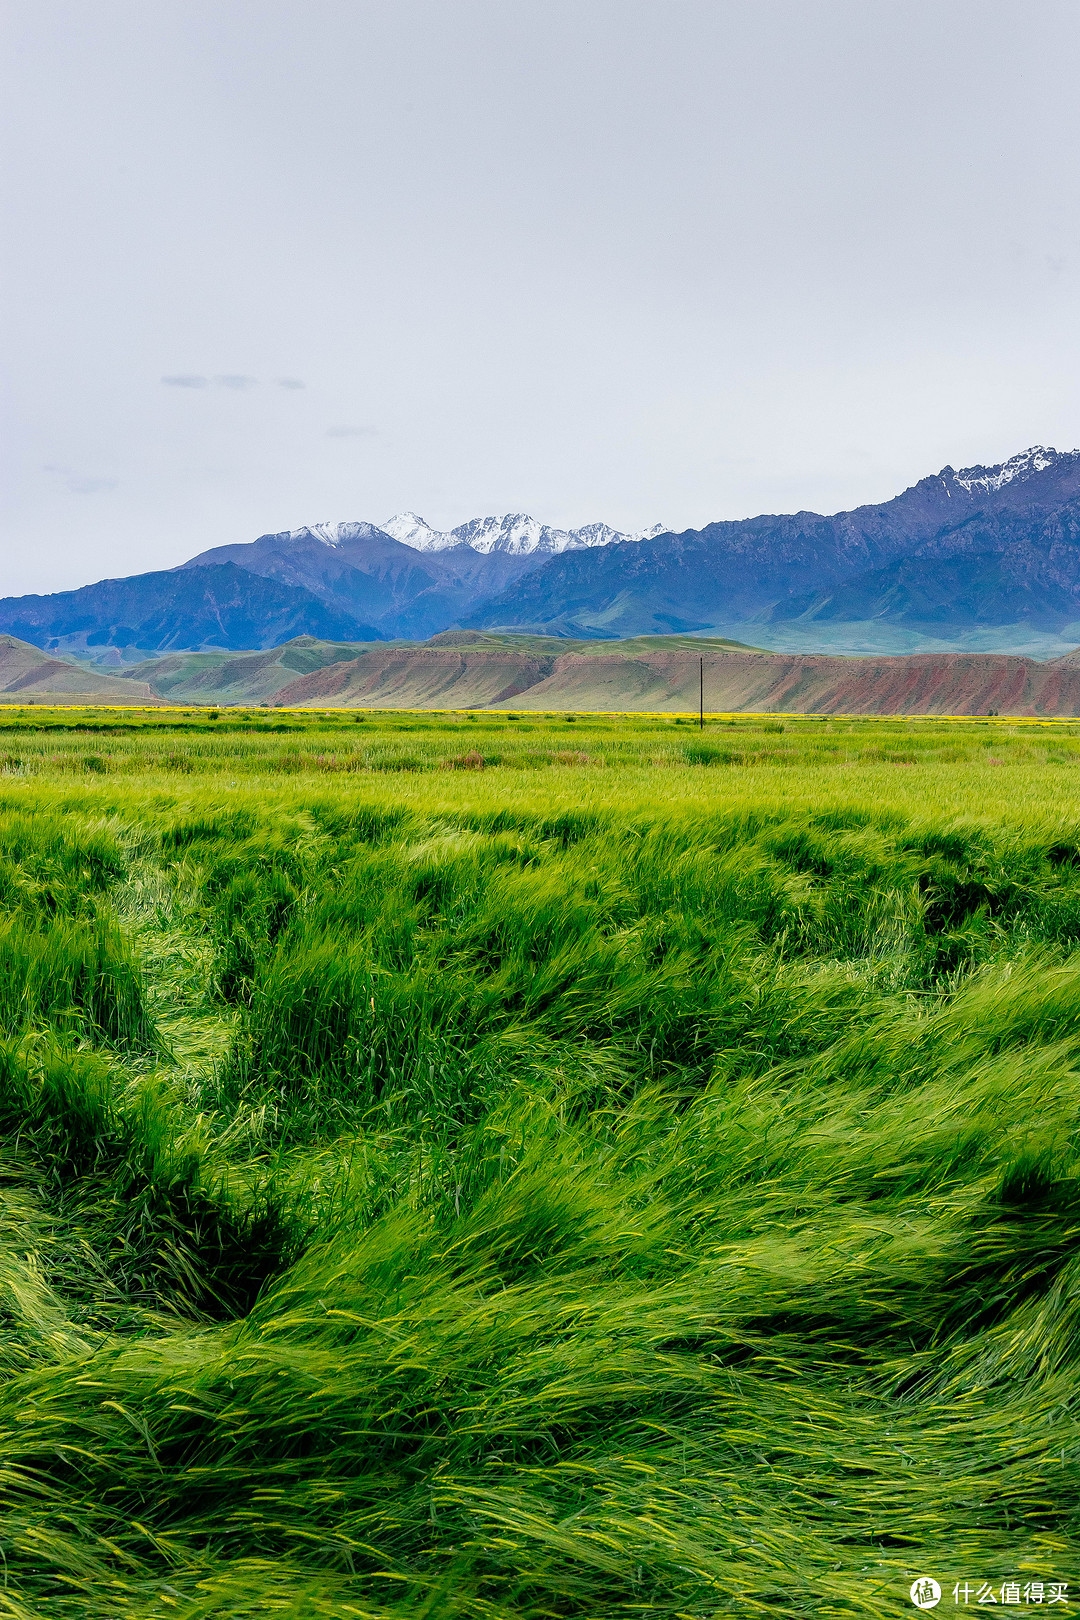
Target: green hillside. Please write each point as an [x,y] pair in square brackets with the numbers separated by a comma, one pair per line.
[27,675]
[259,677]
[238,677]
[561,646]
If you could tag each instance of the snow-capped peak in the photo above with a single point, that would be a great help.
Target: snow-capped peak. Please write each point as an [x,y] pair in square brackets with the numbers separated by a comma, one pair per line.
[516,533]
[332,534]
[1023,465]
[411,530]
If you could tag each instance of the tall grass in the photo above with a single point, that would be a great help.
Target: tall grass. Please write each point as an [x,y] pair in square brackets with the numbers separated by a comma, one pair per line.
[494,1205]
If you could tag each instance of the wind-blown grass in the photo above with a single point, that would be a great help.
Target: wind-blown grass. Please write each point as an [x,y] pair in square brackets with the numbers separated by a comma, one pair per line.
[444,1197]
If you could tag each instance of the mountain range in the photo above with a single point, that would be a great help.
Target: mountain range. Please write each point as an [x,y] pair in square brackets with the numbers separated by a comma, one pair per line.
[336,581]
[516,535]
[984,546]
[987,552]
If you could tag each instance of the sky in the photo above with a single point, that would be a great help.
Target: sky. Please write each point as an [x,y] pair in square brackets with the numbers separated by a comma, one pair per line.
[266,263]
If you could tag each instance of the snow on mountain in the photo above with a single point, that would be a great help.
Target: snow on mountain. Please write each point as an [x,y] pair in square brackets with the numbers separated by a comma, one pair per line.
[1023,465]
[516,534]
[411,530]
[519,535]
[599,534]
[332,534]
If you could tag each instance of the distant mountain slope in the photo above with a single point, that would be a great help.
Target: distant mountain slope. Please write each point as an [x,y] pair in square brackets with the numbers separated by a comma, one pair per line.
[28,676]
[358,569]
[418,678]
[1022,513]
[1001,565]
[238,677]
[659,675]
[218,606]
[222,677]
[771,683]
[464,670]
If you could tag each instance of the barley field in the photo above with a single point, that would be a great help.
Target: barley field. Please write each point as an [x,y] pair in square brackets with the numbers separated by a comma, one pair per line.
[521,1168]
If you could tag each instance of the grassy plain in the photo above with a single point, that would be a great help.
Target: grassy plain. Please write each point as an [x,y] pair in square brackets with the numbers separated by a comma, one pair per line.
[571,1166]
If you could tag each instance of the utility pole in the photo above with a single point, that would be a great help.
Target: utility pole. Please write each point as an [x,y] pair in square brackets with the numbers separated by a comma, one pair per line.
[701,697]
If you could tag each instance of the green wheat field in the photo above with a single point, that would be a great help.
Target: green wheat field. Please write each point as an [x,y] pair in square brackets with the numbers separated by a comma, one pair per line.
[520,1168]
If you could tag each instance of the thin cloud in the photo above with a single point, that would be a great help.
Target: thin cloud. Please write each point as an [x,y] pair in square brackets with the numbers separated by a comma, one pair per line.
[289,382]
[78,483]
[352,433]
[232,379]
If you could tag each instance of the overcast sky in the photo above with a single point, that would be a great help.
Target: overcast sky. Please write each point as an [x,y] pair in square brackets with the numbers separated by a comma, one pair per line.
[272,262]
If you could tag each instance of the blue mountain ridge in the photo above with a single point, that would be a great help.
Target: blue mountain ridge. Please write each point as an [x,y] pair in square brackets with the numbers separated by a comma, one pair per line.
[957,553]
[983,546]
